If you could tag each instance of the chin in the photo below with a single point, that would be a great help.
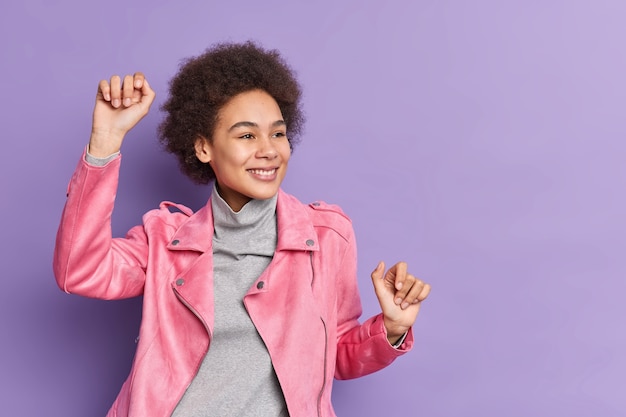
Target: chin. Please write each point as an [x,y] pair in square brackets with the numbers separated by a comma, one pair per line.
[264,194]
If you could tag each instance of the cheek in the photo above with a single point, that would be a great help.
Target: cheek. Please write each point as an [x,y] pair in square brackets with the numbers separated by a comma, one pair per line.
[231,157]
[285,152]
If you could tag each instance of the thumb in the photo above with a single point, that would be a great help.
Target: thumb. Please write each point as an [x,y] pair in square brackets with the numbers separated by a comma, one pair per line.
[377,278]
[147,94]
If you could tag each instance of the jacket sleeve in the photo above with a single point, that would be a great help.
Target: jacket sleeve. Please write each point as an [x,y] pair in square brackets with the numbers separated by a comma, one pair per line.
[361,348]
[87,260]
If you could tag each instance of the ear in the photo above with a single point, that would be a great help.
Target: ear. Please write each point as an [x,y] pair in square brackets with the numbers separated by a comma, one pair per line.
[203,149]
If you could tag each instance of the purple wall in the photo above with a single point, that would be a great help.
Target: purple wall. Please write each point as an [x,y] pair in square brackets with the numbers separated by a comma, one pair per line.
[483,142]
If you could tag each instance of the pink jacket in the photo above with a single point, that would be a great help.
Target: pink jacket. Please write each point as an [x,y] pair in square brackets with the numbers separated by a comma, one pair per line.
[305,305]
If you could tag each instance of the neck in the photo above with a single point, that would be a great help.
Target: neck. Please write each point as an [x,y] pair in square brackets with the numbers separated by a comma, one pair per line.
[235,201]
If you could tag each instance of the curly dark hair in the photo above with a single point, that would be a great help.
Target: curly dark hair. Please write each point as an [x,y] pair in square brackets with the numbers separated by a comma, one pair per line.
[205,83]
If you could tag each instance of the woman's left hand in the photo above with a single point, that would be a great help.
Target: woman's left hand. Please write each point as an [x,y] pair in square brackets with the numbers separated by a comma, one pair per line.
[400,295]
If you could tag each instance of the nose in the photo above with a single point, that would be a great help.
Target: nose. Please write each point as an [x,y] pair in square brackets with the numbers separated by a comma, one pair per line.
[267,149]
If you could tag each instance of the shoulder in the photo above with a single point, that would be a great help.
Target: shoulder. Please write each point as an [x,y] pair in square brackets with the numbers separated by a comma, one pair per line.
[324,215]
[324,210]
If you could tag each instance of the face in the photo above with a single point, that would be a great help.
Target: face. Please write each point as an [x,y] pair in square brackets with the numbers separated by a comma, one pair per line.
[249,150]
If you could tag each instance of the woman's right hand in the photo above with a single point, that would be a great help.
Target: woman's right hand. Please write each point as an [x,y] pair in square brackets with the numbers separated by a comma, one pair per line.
[120,105]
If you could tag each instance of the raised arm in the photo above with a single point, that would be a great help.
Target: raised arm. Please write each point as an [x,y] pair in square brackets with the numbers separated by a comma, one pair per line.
[87,260]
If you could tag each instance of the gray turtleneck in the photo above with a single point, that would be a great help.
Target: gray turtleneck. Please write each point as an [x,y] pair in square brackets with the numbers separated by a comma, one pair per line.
[236,377]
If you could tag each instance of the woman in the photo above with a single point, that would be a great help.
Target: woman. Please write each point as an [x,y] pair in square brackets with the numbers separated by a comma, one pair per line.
[250,305]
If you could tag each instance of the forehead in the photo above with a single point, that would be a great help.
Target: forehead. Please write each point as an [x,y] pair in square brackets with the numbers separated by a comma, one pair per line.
[254,106]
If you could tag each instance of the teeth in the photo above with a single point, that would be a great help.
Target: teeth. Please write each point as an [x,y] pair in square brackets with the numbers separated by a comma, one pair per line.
[263,171]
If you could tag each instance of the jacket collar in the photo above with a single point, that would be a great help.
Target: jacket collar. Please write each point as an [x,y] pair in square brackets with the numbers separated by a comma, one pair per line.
[196,233]
[295,228]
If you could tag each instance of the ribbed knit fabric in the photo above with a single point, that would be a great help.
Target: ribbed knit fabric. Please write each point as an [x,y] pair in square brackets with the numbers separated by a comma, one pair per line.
[236,377]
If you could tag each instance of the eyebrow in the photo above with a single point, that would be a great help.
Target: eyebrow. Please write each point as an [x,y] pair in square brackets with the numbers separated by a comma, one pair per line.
[277,123]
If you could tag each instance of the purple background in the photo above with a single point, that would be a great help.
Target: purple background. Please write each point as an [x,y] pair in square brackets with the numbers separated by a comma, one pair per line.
[481,141]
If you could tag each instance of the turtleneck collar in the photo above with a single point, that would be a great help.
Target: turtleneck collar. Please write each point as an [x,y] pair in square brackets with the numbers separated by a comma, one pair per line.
[254,215]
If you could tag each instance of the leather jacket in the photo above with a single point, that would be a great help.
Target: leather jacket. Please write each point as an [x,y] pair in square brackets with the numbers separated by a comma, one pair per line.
[305,305]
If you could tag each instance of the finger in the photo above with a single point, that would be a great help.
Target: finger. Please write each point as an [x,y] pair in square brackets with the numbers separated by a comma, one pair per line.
[138,78]
[407,286]
[116,99]
[424,293]
[127,91]
[413,294]
[397,275]
[104,90]
[138,87]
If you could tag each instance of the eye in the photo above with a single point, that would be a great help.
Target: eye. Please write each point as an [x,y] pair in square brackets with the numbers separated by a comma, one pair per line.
[279,135]
[246,136]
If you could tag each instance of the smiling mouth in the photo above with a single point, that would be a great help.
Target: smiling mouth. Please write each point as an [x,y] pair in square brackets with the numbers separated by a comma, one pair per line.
[263,172]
